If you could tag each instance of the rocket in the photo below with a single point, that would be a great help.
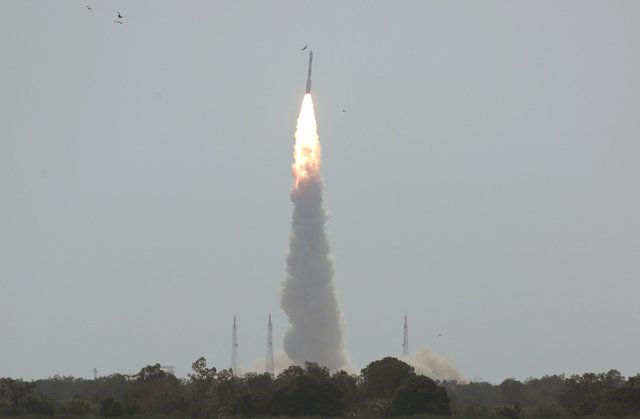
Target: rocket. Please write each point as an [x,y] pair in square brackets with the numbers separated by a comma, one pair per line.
[309,74]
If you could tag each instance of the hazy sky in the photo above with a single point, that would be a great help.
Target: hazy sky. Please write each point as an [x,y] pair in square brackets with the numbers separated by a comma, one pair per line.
[484,180]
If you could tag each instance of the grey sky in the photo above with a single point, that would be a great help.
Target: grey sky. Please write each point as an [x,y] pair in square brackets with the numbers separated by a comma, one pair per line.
[484,180]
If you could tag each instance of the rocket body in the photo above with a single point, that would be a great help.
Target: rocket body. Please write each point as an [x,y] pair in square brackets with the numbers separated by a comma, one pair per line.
[309,74]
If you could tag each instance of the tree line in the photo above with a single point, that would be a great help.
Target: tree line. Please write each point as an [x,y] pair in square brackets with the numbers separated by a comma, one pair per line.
[386,387]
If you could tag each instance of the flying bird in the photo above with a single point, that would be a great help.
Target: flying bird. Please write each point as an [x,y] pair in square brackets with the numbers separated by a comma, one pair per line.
[120,16]
[440,334]
[305,47]
[344,110]
[88,7]
[117,21]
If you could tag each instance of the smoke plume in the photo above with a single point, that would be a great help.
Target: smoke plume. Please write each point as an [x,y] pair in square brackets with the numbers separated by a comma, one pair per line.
[427,362]
[280,363]
[308,296]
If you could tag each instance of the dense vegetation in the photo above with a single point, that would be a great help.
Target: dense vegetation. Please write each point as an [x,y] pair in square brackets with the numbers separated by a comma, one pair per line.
[387,387]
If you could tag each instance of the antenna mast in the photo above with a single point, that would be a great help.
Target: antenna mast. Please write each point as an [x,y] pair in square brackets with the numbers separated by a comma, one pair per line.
[405,341]
[269,363]
[234,349]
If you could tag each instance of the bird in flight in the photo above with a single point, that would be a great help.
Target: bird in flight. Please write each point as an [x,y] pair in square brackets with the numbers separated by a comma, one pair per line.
[117,21]
[344,110]
[120,16]
[305,47]
[89,7]
[440,334]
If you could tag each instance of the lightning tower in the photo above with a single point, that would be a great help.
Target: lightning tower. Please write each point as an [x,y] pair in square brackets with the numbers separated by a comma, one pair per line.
[269,362]
[405,340]
[234,349]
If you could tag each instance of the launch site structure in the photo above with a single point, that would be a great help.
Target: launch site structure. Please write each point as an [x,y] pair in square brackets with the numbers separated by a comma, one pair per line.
[269,368]
[405,340]
[235,363]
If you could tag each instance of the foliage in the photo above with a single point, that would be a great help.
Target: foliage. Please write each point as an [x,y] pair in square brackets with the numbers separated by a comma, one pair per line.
[156,392]
[110,408]
[377,407]
[382,378]
[202,374]
[584,393]
[38,406]
[511,412]
[227,388]
[201,393]
[385,387]
[15,391]
[473,394]
[420,394]
[546,389]
[309,391]
[348,385]
[612,408]
[62,388]
[513,392]
[476,412]
[548,410]
[254,397]
[77,407]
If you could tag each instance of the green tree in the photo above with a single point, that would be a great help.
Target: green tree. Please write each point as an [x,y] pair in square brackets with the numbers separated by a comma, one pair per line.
[77,407]
[420,394]
[16,390]
[474,394]
[110,408]
[254,398]
[62,388]
[383,377]
[625,399]
[156,392]
[348,385]
[201,373]
[308,395]
[202,394]
[228,388]
[291,372]
[584,393]
[311,369]
[150,373]
[547,389]
[633,381]
[38,406]
[614,379]
[513,392]
[249,395]
[548,410]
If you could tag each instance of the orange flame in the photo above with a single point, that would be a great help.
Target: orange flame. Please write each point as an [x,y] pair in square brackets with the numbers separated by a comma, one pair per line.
[306,150]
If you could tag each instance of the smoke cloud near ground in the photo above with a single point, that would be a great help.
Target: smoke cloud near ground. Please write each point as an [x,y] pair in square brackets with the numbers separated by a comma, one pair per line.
[308,295]
[427,362]
[280,363]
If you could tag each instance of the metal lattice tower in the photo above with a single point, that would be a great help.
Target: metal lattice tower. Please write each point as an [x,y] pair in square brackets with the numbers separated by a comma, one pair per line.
[235,368]
[405,341]
[269,362]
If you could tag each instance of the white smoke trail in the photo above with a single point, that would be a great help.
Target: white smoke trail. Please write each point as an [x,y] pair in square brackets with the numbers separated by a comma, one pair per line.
[308,296]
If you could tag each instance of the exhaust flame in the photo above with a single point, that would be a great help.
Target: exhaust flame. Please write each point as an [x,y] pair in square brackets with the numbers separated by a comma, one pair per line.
[308,296]
[306,151]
